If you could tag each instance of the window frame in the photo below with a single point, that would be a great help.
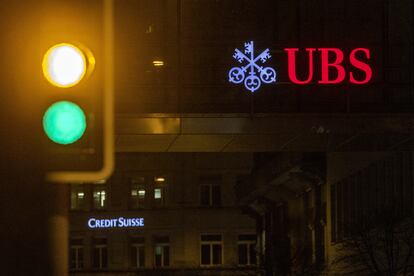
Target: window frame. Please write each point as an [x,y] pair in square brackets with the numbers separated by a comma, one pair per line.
[211,182]
[249,243]
[211,251]
[78,259]
[136,246]
[105,190]
[163,254]
[137,203]
[100,248]
[78,189]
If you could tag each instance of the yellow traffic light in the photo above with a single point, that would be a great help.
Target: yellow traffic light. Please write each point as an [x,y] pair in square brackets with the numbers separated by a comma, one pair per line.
[65,65]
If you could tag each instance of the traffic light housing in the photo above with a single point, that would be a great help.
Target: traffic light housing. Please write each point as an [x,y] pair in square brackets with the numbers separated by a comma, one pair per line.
[78,117]
[61,53]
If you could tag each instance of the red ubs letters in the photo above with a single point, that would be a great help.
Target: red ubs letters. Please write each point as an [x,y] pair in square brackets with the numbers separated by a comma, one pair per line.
[329,64]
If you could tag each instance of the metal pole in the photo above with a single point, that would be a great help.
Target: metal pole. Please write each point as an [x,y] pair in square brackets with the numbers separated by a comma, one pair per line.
[58,225]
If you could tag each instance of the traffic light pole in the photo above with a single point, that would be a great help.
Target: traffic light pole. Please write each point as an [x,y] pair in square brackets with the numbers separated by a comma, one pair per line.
[58,227]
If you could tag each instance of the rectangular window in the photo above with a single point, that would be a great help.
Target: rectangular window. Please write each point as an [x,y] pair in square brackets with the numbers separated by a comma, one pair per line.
[77,197]
[137,252]
[159,179]
[246,247]
[160,183]
[76,253]
[159,197]
[99,197]
[161,251]
[210,191]
[99,253]
[211,247]
[138,193]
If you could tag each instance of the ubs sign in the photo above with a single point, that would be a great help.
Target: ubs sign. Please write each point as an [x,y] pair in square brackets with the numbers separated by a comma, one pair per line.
[331,61]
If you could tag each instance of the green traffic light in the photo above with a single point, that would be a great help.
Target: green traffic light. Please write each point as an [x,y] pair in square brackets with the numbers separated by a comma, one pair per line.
[64,122]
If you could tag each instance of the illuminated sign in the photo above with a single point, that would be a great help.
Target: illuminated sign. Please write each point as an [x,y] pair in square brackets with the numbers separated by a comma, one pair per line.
[332,69]
[252,82]
[329,67]
[120,222]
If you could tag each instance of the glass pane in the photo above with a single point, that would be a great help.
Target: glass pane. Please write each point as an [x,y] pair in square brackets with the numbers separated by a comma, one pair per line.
[205,195]
[141,256]
[158,250]
[95,258]
[73,204]
[157,193]
[216,195]
[73,258]
[77,197]
[158,260]
[141,193]
[205,254]
[242,248]
[159,179]
[99,198]
[252,253]
[216,254]
[80,257]
[104,257]
[134,257]
[166,255]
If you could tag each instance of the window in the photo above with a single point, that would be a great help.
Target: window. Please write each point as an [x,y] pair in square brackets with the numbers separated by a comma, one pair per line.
[210,191]
[370,192]
[138,193]
[162,251]
[99,253]
[246,249]
[99,197]
[137,252]
[159,179]
[76,253]
[77,197]
[211,250]
[159,191]
[159,196]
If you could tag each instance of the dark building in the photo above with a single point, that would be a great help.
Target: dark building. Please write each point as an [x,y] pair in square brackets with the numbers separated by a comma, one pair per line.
[305,160]
[191,223]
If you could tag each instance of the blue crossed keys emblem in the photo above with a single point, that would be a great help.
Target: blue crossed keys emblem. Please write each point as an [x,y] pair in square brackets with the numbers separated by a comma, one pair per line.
[252,81]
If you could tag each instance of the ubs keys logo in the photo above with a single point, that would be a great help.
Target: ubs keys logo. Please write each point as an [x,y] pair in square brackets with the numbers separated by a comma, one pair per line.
[252,74]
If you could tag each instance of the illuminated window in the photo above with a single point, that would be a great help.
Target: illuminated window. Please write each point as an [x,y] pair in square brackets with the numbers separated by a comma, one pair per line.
[159,195]
[161,251]
[159,179]
[211,250]
[210,191]
[246,248]
[137,195]
[76,253]
[137,252]
[99,197]
[159,191]
[77,197]
[99,253]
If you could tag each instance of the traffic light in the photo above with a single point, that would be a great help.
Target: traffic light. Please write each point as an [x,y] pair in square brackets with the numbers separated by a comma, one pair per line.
[78,108]
[60,59]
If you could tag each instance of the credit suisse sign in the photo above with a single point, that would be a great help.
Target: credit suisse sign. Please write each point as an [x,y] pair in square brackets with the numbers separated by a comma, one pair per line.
[120,222]
[331,66]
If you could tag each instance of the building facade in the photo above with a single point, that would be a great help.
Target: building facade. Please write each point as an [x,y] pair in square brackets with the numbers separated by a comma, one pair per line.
[309,206]
[187,218]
